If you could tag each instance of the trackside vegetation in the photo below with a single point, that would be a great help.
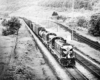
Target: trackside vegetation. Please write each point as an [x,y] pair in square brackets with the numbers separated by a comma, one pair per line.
[11,26]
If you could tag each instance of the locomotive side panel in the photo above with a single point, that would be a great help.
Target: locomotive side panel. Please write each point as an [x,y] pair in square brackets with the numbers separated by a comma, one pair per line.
[57,46]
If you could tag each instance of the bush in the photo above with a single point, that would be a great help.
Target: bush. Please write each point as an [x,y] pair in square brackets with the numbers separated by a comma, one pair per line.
[13,26]
[95,25]
[82,22]
[54,14]
[7,32]
[14,23]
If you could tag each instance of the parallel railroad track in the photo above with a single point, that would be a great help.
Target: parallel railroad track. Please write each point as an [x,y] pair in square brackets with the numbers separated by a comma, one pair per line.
[87,64]
[75,74]
[95,70]
[81,38]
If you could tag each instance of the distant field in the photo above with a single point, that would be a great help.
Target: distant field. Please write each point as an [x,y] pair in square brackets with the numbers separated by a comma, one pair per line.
[53,3]
[10,6]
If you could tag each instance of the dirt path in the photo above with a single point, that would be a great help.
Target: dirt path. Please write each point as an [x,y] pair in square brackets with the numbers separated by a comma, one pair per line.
[28,64]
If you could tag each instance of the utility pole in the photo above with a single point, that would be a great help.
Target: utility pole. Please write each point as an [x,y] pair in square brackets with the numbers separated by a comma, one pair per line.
[72,15]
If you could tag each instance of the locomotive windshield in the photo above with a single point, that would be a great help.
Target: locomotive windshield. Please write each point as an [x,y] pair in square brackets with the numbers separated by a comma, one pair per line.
[68,51]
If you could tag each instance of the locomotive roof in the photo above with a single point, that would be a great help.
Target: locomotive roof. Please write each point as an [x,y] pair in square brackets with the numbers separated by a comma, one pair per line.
[67,46]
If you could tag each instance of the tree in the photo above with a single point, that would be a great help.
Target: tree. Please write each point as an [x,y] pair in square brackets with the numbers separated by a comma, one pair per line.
[95,25]
[13,26]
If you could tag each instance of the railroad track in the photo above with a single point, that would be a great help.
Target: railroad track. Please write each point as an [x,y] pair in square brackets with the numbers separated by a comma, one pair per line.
[89,65]
[81,38]
[93,69]
[55,67]
[75,74]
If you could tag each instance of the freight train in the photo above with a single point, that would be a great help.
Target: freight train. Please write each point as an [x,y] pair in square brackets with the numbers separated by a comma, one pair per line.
[58,46]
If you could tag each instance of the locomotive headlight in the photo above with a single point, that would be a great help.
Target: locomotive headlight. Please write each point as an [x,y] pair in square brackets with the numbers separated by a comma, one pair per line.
[71,54]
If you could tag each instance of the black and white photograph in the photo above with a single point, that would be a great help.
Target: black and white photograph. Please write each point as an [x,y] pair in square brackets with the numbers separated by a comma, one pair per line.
[49,39]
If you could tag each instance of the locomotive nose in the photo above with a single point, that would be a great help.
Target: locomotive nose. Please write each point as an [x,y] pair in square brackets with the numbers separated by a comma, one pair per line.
[71,54]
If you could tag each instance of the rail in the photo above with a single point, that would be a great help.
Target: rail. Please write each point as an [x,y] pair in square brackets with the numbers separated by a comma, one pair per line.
[59,72]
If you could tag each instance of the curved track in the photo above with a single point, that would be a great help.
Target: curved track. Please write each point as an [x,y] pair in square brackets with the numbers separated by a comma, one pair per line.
[81,38]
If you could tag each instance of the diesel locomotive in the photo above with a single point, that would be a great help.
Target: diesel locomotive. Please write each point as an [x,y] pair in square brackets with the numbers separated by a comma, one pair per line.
[57,45]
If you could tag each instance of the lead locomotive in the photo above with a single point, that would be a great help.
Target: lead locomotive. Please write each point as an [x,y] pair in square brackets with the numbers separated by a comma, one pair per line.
[57,45]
